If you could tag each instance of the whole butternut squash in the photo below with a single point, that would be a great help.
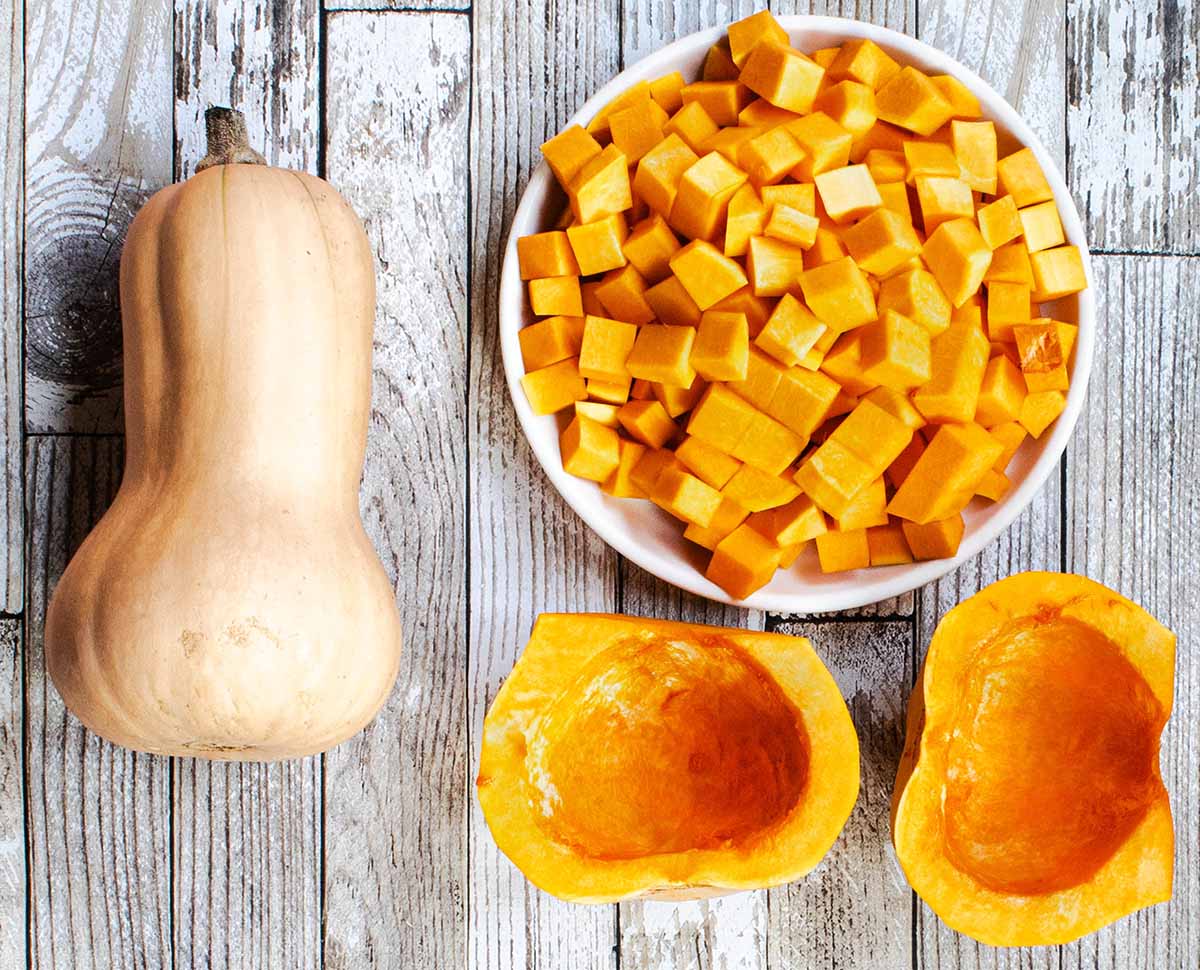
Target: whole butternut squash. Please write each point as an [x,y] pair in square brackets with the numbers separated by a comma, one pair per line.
[229,604]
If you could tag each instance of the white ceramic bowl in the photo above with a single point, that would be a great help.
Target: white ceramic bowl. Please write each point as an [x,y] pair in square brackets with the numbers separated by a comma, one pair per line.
[648,536]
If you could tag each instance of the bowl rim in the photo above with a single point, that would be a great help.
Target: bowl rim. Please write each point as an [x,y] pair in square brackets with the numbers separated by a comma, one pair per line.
[864,586]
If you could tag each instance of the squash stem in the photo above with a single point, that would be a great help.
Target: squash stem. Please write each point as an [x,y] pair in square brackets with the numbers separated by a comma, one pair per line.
[228,142]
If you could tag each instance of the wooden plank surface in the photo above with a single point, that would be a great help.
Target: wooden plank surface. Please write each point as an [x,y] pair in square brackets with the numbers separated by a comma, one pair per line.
[397,142]
[1136,528]
[97,145]
[247,838]
[12,803]
[99,853]
[1133,120]
[12,225]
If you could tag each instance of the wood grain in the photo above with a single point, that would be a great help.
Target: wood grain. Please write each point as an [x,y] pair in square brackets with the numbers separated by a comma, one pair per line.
[395,830]
[533,64]
[12,224]
[12,803]
[97,143]
[259,57]
[247,838]
[98,815]
[1136,528]
[1132,120]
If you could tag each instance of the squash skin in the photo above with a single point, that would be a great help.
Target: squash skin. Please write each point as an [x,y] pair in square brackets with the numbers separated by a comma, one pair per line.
[229,604]
[1139,871]
[560,646]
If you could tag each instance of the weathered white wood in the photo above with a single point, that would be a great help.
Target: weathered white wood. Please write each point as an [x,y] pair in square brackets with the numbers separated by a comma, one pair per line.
[397,140]
[1132,118]
[534,63]
[247,851]
[98,143]
[12,82]
[256,56]
[1133,500]
[99,852]
[855,908]
[12,802]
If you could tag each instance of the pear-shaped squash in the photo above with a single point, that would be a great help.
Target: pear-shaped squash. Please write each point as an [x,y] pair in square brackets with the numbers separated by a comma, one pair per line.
[626,757]
[1028,808]
[229,603]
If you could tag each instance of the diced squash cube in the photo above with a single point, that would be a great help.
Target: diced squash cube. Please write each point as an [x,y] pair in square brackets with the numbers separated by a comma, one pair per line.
[958,258]
[1057,273]
[692,125]
[637,129]
[661,353]
[934,540]
[554,387]
[897,404]
[783,76]
[756,490]
[1010,264]
[943,199]
[647,422]
[1008,304]
[839,294]
[904,462]
[648,468]
[851,104]
[686,497]
[842,551]
[768,157]
[881,242]
[549,341]
[848,193]
[844,364]
[827,248]
[622,292]
[703,197]
[720,418]
[744,34]
[568,151]
[791,331]
[1020,176]
[591,302]
[994,485]
[974,144]
[944,478]
[895,352]
[886,168]
[960,357]
[756,309]
[911,100]
[589,449]
[620,483]
[888,545]
[708,463]
[718,63]
[1041,227]
[665,92]
[880,135]
[729,516]
[678,400]
[1009,435]
[556,295]
[722,348]
[874,434]
[792,226]
[546,254]
[1043,362]
[605,414]
[672,304]
[1002,393]
[723,100]
[601,187]
[773,267]
[649,248]
[999,222]
[745,217]
[768,445]
[599,127]
[760,113]
[708,275]
[729,142]
[597,245]
[610,392]
[929,159]
[918,296]
[964,103]
[743,561]
[792,524]
[763,376]
[863,61]
[832,475]
[825,143]
[867,509]
[797,196]
[605,348]
[656,181]
[801,400]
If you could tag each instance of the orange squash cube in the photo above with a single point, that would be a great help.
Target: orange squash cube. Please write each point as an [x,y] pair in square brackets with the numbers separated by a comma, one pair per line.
[649,467]
[623,295]
[866,510]
[791,331]
[568,151]
[792,226]
[649,248]
[605,414]
[665,92]
[999,222]
[767,445]
[729,516]
[744,34]
[1020,176]
[761,114]
[756,490]
[958,258]
[826,248]
[863,61]
[708,463]
[763,376]
[768,157]
[637,129]
[1057,273]
[620,483]
[797,196]
[743,561]
[546,254]
[647,422]
[591,302]
[944,478]
[756,309]
[599,126]
[801,400]
[678,400]
[974,144]
[826,145]
[703,196]
[904,462]
[549,341]
[844,364]
[897,404]
[895,352]
[1039,410]
[745,217]
[851,104]
[722,348]
[886,168]
[605,348]
[610,392]
[882,242]
[888,545]
[658,173]
[692,125]
[994,485]
[929,159]
[1043,362]
[943,199]
[832,475]
[882,136]
[841,551]
[783,76]
[917,295]
[660,353]
[964,103]
[589,450]
[556,295]
[552,388]
[708,275]
[848,193]
[960,356]
[773,267]
[718,63]
[601,187]
[597,245]
[1009,436]
[872,433]
[1008,304]
[1010,264]
[934,540]
[686,497]
[721,418]
[895,199]
[792,524]
[1041,227]
[672,304]
[911,100]
[1001,394]
[839,294]
[722,100]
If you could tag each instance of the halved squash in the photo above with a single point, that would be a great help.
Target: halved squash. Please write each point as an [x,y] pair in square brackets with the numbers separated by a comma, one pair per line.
[1028,807]
[628,757]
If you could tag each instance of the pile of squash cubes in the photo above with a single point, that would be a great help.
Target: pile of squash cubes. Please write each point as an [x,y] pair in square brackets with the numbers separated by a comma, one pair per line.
[798,300]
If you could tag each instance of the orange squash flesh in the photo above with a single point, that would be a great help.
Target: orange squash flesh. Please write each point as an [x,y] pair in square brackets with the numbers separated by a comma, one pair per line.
[1029,808]
[627,757]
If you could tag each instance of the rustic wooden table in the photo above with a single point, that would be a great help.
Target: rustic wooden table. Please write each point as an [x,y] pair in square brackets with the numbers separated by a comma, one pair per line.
[375,855]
